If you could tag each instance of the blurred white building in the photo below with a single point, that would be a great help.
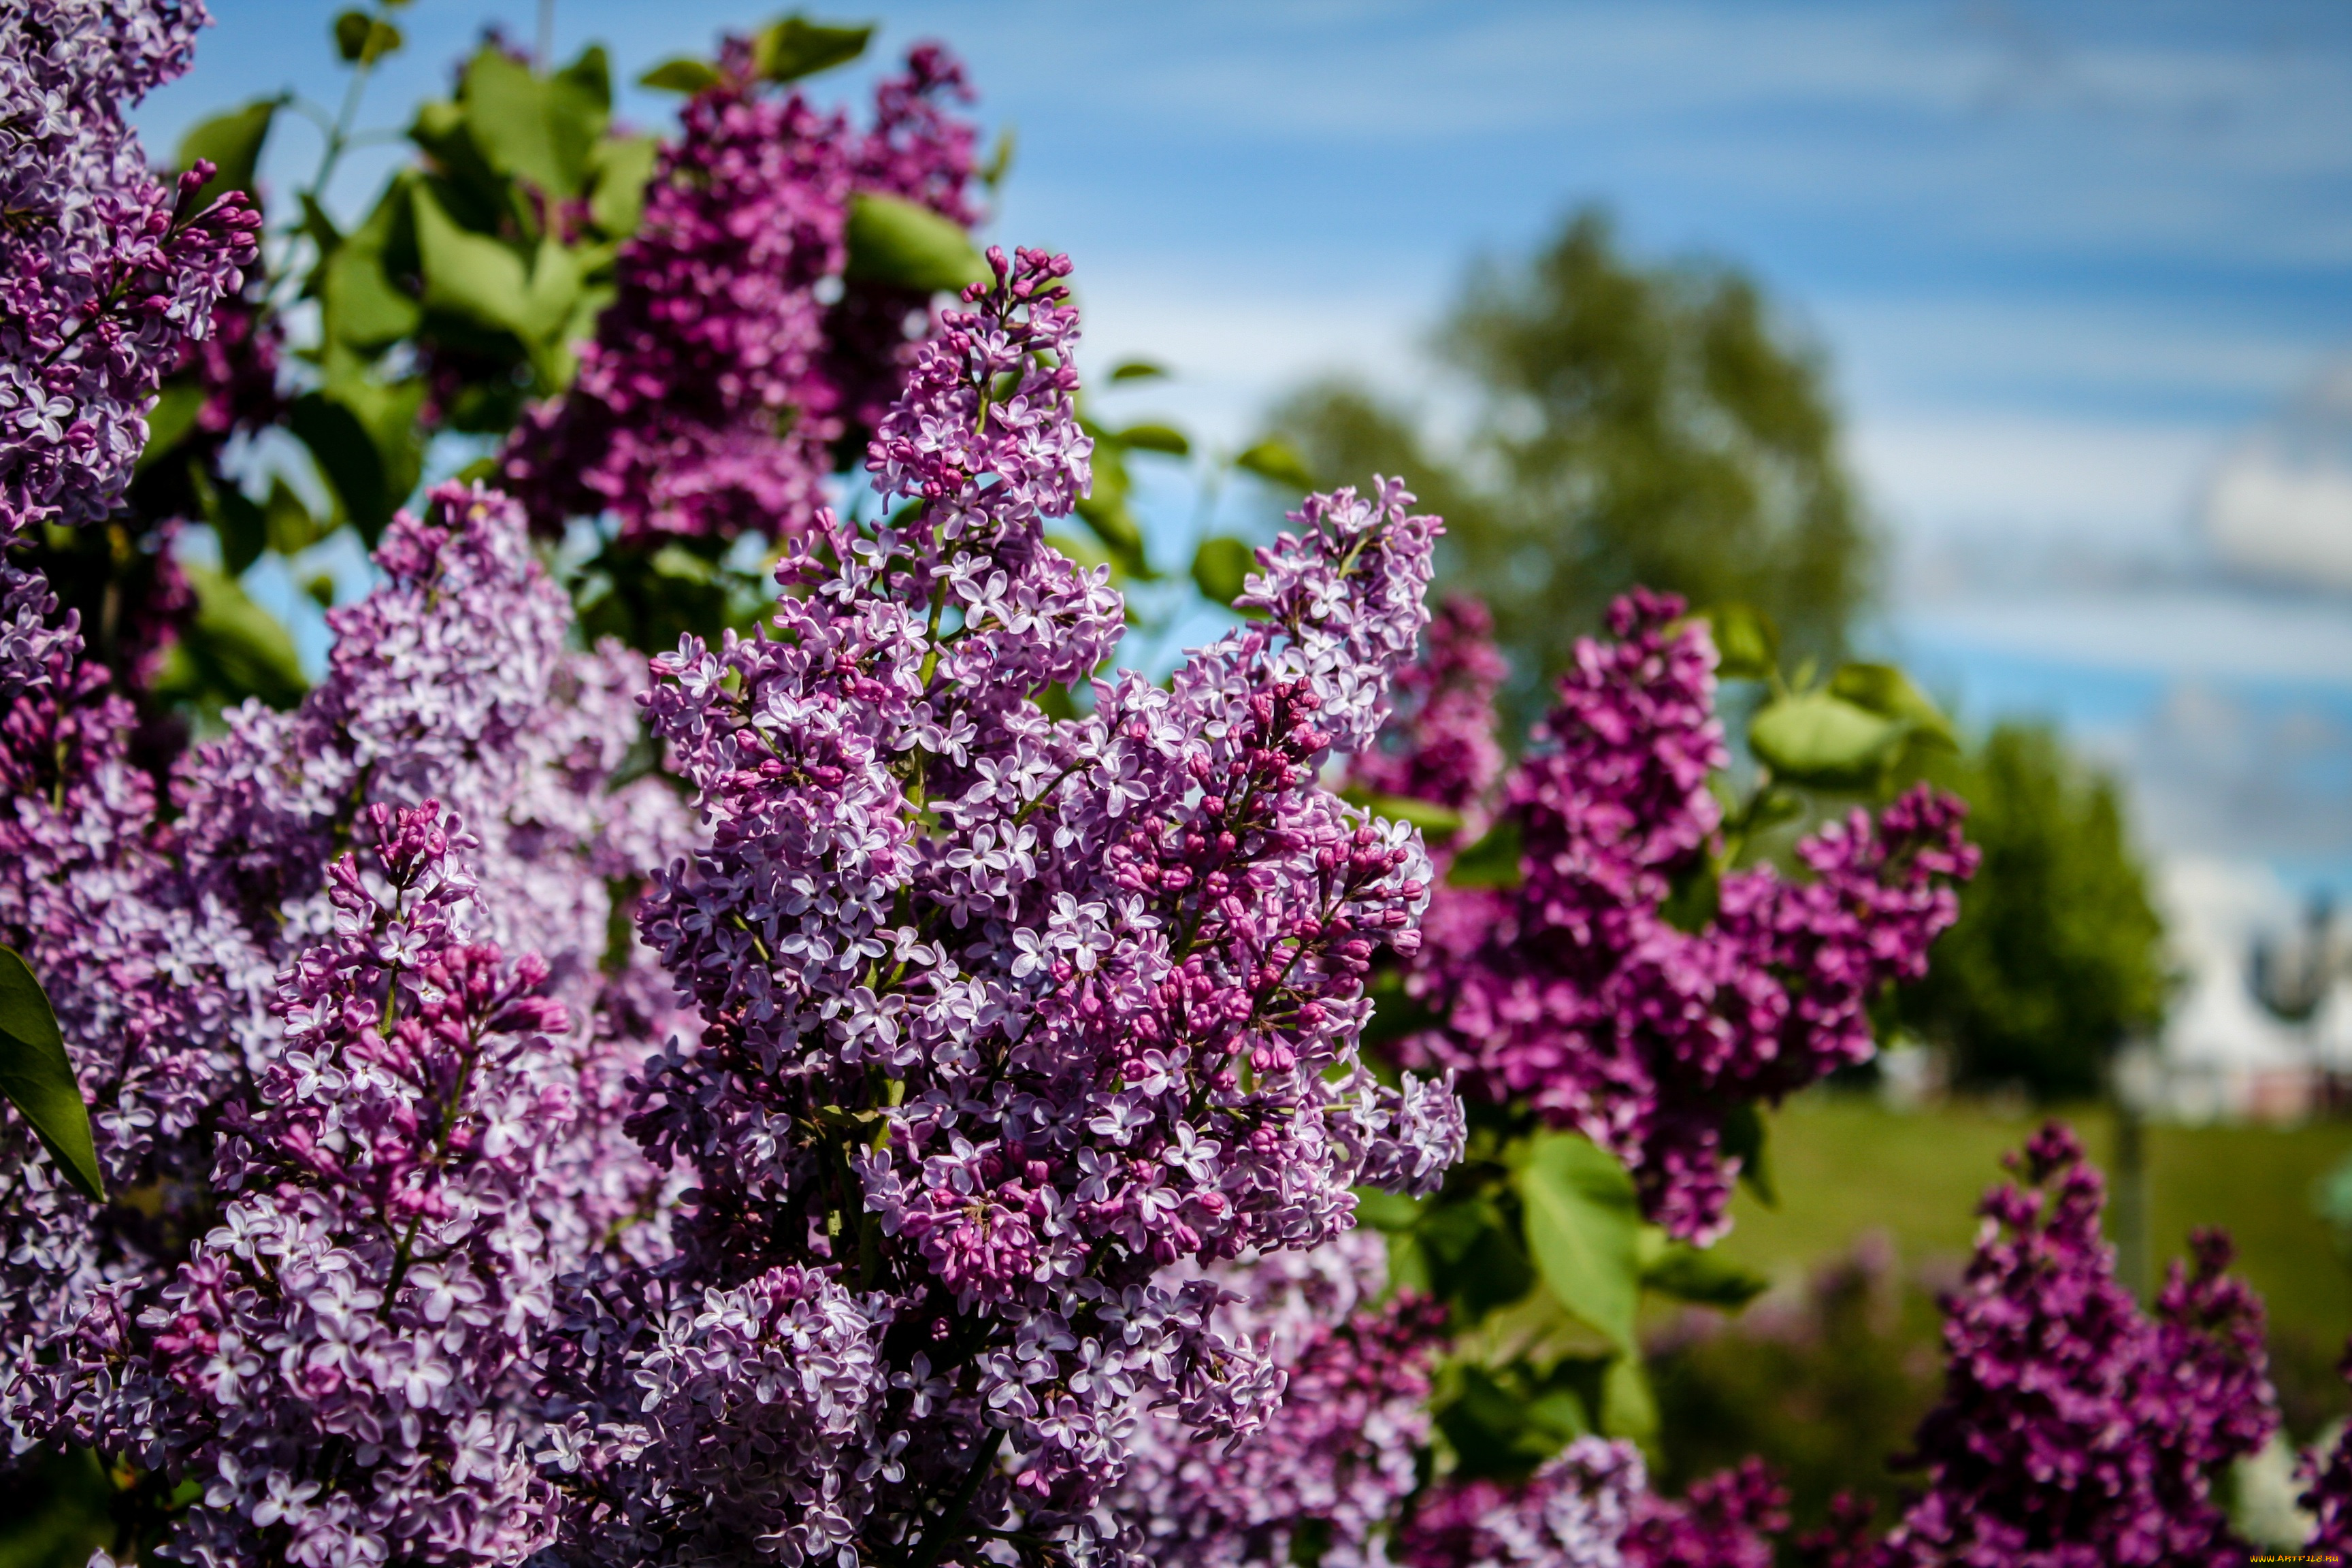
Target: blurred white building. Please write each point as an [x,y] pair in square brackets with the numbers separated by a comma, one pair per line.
[2261,1025]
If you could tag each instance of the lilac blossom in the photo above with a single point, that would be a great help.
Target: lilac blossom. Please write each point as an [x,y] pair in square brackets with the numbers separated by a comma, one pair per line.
[2074,1431]
[1440,747]
[709,400]
[1577,994]
[104,270]
[1574,1512]
[2326,1477]
[345,1359]
[1333,1464]
[160,938]
[1004,1015]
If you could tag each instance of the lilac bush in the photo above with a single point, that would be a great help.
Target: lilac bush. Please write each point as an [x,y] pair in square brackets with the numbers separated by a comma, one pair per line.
[1002,1014]
[105,270]
[162,936]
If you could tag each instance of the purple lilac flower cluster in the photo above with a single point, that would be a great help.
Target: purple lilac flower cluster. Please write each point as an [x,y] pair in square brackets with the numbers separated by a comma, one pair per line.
[1579,994]
[2074,1430]
[161,936]
[104,271]
[1592,1507]
[2326,1477]
[922,152]
[1003,1014]
[345,1359]
[1330,1471]
[1441,745]
[709,400]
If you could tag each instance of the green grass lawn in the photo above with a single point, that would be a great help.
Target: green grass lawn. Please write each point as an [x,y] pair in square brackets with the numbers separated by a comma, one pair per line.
[1843,1166]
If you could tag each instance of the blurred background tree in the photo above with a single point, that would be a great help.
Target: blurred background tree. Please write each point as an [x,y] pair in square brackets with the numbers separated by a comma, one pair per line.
[2058,957]
[1632,423]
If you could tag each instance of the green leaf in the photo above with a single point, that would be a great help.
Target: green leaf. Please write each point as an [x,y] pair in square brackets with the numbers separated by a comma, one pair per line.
[363,309]
[1156,438]
[1221,566]
[1688,1273]
[173,416]
[1883,690]
[530,126]
[1824,742]
[232,649]
[681,75]
[38,1079]
[233,143]
[1493,862]
[793,48]
[623,164]
[592,75]
[1628,1407]
[1425,814]
[1583,1226]
[1391,1212]
[1277,462]
[1747,643]
[361,39]
[347,455]
[1138,370]
[287,519]
[1743,1137]
[899,242]
[999,164]
[468,274]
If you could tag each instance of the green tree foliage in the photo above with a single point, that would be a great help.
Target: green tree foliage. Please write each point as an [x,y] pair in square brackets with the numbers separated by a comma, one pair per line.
[1635,424]
[2058,955]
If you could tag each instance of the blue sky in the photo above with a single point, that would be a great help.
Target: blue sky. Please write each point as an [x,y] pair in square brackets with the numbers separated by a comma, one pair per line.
[2060,258]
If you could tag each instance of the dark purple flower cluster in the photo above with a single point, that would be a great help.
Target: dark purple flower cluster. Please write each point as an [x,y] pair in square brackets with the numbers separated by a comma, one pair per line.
[2074,1431]
[709,402]
[104,271]
[1581,994]
[1441,745]
[2328,1487]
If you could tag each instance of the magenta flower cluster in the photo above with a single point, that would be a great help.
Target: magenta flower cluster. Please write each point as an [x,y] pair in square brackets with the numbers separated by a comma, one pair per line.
[721,374]
[104,270]
[2072,1429]
[1584,994]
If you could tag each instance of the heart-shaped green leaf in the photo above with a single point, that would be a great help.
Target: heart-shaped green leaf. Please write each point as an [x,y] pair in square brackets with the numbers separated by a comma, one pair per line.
[895,241]
[38,1080]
